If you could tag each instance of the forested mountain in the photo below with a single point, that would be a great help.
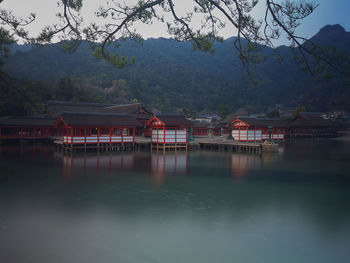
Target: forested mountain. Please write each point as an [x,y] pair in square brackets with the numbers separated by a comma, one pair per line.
[169,75]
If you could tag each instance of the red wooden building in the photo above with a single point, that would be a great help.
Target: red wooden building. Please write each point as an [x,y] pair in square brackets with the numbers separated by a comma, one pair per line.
[311,124]
[138,110]
[56,108]
[205,129]
[169,130]
[96,128]
[200,129]
[257,129]
[27,127]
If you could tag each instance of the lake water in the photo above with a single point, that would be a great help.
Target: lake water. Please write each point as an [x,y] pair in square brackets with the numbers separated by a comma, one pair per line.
[293,206]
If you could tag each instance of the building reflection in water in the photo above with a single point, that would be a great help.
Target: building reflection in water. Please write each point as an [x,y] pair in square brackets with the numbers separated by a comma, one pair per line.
[167,163]
[242,163]
[97,162]
[161,164]
[26,152]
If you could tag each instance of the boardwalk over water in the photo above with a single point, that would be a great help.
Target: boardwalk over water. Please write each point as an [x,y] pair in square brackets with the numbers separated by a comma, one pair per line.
[215,143]
[224,144]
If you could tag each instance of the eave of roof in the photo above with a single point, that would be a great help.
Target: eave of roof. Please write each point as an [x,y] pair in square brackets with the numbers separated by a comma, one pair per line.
[96,119]
[260,122]
[79,104]
[174,120]
[27,121]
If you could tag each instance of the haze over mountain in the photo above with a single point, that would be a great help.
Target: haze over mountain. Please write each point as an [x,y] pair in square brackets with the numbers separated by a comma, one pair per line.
[168,75]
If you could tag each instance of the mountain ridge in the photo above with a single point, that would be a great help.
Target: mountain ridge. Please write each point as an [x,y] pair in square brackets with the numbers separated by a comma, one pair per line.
[169,74]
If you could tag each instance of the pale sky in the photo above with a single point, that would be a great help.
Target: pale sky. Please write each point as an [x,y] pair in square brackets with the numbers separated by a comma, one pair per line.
[329,12]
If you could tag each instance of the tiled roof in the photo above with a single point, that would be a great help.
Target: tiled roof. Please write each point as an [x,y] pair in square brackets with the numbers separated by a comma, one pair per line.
[197,124]
[260,122]
[124,108]
[311,119]
[99,119]
[27,121]
[55,108]
[173,119]
[77,104]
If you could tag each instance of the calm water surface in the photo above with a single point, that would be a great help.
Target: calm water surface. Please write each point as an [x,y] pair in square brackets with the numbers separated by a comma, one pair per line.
[293,206]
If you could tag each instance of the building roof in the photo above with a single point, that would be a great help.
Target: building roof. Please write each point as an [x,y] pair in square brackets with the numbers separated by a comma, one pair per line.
[313,119]
[143,117]
[155,110]
[231,117]
[97,119]
[262,122]
[124,108]
[173,119]
[208,116]
[55,108]
[74,103]
[141,113]
[27,121]
[197,124]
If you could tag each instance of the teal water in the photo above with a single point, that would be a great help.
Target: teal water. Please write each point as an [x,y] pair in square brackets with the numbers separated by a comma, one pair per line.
[293,206]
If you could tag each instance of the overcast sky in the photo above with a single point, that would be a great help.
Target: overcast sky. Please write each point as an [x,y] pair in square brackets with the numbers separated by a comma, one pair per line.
[329,12]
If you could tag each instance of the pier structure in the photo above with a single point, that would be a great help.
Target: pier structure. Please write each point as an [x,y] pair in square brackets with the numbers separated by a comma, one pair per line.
[212,144]
[230,145]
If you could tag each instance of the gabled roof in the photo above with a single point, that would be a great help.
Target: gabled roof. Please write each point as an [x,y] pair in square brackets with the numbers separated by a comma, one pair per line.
[207,116]
[78,104]
[126,108]
[231,117]
[140,112]
[97,119]
[234,115]
[261,122]
[27,121]
[208,125]
[197,124]
[172,120]
[55,108]
[311,119]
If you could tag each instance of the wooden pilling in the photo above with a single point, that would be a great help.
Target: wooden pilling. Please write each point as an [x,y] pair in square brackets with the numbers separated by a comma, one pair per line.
[232,146]
[145,144]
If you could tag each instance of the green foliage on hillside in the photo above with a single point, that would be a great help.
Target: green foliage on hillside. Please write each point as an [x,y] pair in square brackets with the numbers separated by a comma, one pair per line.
[170,76]
[27,97]
[167,75]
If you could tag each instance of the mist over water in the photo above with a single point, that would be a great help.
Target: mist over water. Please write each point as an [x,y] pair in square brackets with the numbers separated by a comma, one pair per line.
[202,207]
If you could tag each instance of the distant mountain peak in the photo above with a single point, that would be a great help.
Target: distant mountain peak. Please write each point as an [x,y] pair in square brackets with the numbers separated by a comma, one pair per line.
[332,29]
[331,35]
